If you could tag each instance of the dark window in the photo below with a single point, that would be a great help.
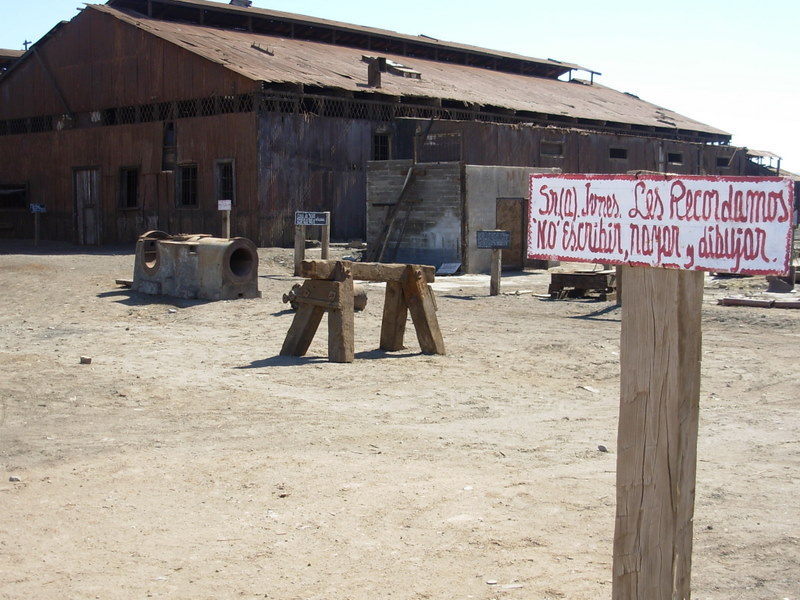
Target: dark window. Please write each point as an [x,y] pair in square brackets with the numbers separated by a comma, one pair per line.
[128,187]
[187,185]
[441,147]
[551,149]
[620,153]
[13,196]
[170,148]
[380,146]
[675,158]
[723,162]
[225,183]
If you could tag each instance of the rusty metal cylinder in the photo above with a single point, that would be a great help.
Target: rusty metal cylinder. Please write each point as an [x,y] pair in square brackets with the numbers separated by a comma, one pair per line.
[196,266]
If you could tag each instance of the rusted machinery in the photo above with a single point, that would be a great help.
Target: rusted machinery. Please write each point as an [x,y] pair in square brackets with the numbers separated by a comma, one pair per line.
[196,266]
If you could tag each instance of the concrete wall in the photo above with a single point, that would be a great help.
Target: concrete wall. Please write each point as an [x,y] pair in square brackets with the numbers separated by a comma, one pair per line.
[484,187]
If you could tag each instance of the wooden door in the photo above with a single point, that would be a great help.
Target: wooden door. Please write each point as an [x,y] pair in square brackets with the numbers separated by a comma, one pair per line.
[510,215]
[87,206]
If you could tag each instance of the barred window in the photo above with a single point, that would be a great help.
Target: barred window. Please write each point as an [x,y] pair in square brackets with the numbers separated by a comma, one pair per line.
[380,147]
[187,185]
[225,180]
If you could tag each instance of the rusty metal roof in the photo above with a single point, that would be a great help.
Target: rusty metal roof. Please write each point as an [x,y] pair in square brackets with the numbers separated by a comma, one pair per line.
[312,28]
[277,60]
[5,53]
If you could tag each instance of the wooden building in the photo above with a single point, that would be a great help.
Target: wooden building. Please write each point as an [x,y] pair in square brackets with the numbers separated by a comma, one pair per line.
[143,114]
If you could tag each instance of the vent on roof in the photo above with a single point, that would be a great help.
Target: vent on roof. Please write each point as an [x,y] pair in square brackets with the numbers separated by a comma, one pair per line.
[381,64]
[244,3]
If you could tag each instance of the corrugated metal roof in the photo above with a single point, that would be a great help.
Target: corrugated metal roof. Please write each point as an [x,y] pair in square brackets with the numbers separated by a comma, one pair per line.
[5,53]
[280,60]
[297,19]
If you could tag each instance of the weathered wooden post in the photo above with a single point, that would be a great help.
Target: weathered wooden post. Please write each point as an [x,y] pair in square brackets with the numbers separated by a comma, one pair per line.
[225,206]
[667,230]
[495,240]
[38,210]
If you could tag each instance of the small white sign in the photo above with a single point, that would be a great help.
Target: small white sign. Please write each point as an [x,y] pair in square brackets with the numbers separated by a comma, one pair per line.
[224,204]
[731,224]
[310,218]
[38,208]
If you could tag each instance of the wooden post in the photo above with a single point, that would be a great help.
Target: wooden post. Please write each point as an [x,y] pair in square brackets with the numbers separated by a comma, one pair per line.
[657,442]
[299,247]
[301,333]
[341,329]
[497,262]
[325,236]
[36,228]
[421,305]
[395,314]
[226,224]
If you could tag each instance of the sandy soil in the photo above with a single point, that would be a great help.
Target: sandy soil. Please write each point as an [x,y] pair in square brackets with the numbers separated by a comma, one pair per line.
[189,460]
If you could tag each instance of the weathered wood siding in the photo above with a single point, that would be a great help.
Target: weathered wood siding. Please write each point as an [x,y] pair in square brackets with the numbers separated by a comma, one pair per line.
[47,161]
[102,62]
[311,163]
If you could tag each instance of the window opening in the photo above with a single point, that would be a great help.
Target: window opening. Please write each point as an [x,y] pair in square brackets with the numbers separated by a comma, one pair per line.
[555,149]
[225,183]
[380,147]
[618,153]
[129,187]
[675,158]
[170,148]
[13,196]
[187,185]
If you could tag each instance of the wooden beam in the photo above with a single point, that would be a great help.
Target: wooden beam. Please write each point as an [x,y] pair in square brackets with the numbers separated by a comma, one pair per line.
[657,442]
[324,269]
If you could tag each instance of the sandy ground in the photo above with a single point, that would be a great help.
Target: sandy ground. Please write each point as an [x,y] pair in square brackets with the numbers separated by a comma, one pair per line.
[189,460]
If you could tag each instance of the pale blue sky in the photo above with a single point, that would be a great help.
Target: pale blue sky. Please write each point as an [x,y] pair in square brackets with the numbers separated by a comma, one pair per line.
[731,64]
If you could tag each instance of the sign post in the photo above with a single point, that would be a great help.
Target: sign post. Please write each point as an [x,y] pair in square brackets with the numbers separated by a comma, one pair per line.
[224,206]
[306,218]
[37,210]
[665,231]
[496,240]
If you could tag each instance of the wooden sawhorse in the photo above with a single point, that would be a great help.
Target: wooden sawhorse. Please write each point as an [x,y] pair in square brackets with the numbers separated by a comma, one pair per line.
[329,288]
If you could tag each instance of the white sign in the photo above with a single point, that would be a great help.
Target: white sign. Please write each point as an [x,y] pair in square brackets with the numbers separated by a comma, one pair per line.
[731,224]
[38,208]
[224,204]
[310,218]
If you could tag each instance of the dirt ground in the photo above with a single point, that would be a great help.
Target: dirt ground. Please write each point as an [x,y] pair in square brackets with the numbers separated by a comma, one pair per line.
[189,460]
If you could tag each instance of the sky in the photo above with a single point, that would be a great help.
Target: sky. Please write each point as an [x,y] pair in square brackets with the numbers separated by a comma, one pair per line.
[730,64]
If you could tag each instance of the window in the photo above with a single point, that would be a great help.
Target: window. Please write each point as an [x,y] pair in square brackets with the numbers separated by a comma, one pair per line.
[440,147]
[129,187]
[380,147]
[13,195]
[618,153]
[723,162]
[675,158]
[225,180]
[555,149]
[170,148]
[187,185]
